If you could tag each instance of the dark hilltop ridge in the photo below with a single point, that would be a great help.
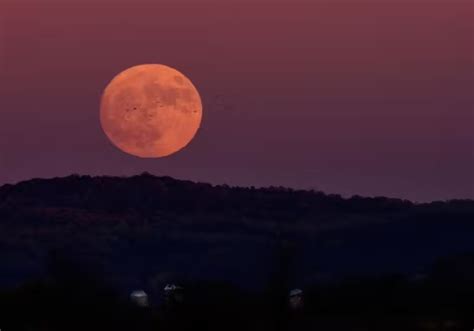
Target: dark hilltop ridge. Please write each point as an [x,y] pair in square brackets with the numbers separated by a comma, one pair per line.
[153,193]
[73,248]
[142,227]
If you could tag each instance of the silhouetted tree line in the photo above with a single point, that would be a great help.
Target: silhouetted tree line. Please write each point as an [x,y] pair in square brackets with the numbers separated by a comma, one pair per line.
[147,197]
[146,193]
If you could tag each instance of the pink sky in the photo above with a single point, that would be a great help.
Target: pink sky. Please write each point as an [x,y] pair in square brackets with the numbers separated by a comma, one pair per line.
[345,96]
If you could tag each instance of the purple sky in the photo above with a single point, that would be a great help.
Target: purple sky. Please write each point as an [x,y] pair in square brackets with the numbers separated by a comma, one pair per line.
[345,96]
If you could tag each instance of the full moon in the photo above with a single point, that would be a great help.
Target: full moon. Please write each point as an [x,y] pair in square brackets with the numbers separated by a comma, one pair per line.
[150,111]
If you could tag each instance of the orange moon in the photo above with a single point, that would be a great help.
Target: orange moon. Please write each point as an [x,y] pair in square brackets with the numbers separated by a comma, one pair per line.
[150,111]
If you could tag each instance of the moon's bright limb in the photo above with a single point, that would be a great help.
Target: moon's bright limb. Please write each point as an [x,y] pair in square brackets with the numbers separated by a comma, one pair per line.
[150,111]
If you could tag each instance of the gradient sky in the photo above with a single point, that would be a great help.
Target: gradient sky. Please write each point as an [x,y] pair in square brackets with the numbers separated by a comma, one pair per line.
[345,96]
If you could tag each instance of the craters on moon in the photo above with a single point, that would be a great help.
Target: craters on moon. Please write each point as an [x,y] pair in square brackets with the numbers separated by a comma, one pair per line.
[150,111]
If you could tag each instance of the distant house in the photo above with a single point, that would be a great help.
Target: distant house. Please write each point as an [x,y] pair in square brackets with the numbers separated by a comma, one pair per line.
[174,294]
[139,298]
[295,299]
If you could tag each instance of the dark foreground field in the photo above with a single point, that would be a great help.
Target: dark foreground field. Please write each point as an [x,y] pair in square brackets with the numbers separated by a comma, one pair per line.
[383,304]
[73,248]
